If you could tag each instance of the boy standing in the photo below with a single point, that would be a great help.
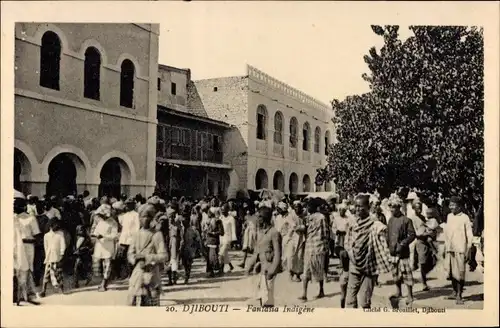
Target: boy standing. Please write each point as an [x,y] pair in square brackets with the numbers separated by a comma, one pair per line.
[458,241]
[400,234]
[55,246]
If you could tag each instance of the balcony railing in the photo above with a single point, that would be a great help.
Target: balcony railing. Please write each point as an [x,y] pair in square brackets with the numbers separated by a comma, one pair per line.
[293,154]
[261,146]
[186,153]
[278,150]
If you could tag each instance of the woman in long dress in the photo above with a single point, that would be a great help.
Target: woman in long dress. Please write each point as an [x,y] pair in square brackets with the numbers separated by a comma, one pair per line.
[145,253]
[300,230]
[290,240]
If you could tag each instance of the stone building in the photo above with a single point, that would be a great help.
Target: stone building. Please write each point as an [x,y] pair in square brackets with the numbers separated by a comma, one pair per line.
[280,134]
[189,152]
[85,108]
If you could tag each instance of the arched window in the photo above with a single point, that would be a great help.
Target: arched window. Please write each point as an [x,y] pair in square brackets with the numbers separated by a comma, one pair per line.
[294,126]
[50,61]
[306,182]
[261,122]
[127,84]
[278,128]
[327,141]
[261,181]
[92,74]
[306,136]
[317,139]
[293,183]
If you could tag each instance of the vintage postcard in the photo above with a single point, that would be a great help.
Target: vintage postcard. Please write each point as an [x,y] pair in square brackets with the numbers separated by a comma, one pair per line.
[249,163]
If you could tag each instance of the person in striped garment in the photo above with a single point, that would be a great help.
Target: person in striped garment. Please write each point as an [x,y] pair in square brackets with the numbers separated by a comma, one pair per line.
[368,252]
[316,248]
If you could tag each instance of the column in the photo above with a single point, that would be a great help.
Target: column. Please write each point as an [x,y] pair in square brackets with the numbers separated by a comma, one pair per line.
[152,104]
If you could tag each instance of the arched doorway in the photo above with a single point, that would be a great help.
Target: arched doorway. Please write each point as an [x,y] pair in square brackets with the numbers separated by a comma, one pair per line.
[22,170]
[278,181]
[115,177]
[293,183]
[62,175]
[306,183]
[261,181]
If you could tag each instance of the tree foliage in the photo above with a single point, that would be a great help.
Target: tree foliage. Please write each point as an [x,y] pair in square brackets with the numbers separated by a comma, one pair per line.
[421,125]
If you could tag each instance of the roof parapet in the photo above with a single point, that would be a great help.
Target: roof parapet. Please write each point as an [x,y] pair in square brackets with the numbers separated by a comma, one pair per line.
[288,90]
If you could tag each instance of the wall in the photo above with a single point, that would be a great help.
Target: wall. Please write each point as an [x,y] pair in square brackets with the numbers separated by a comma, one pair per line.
[277,96]
[128,41]
[181,78]
[48,121]
[228,104]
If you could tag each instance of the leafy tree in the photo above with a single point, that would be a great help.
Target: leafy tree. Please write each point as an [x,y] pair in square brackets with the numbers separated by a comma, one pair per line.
[422,123]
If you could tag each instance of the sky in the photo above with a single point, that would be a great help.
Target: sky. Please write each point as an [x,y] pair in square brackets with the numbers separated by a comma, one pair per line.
[313,52]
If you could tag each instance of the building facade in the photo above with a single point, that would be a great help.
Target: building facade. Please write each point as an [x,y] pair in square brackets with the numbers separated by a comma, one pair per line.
[281,135]
[189,151]
[85,108]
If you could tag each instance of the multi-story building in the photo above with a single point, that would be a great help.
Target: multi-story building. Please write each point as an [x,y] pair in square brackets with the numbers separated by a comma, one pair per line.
[189,151]
[280,135]
[85,108]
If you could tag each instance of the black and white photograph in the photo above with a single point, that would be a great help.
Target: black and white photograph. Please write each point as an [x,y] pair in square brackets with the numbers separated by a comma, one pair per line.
[251,159]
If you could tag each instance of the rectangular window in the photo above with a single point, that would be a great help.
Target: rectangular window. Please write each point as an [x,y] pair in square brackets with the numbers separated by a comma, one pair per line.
[176,138]
[168,141]
[217,145]
[158,84]
[160,139]
[173,88]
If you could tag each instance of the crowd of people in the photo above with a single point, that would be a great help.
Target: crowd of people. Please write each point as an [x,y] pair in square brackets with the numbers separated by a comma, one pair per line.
[99,240]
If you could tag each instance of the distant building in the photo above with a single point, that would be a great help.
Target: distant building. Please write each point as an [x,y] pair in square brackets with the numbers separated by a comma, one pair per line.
[189,151]
[85,108]
[280,135]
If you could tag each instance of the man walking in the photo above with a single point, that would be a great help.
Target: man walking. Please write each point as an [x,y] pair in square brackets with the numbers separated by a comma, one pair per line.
[368,253]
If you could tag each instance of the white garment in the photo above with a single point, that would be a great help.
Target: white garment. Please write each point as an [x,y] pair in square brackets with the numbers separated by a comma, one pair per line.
[339,223]
[458,233]
[105,247]
[53,213]
[229,224]
[54,245]
[130,226]
[278,222]
[204,220]
[20,258]
[31,210]
[28,227]
[265,289]
[87,201]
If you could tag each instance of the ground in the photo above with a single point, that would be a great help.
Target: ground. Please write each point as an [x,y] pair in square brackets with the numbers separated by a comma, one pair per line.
[236,289]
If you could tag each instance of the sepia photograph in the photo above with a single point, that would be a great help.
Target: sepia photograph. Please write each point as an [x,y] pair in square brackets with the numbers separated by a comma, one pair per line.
[249,163]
